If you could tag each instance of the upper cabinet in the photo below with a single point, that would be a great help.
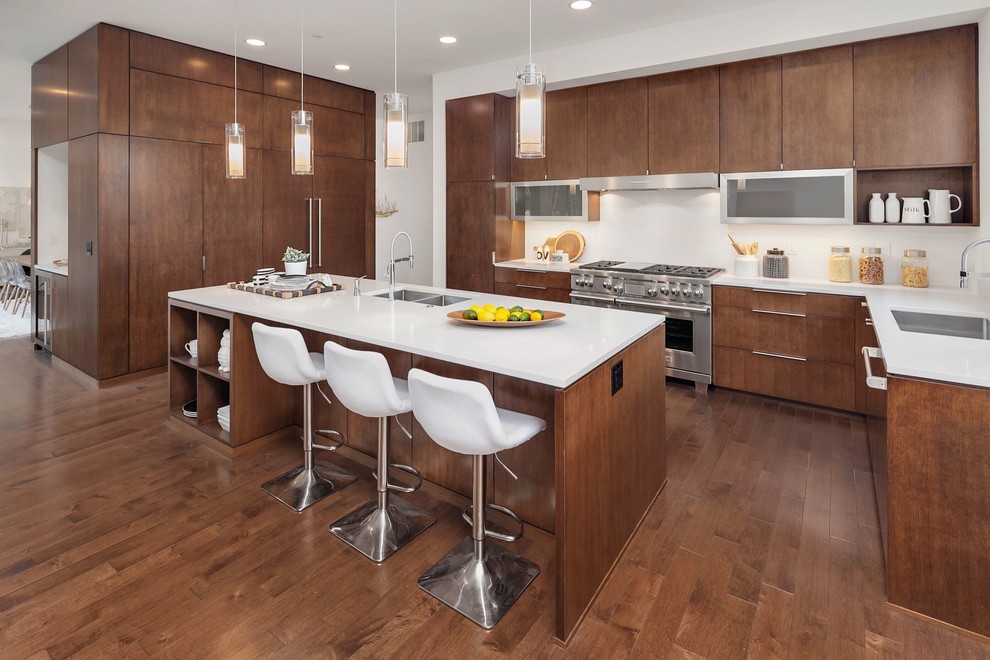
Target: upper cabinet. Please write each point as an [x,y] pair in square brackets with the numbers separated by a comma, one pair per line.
[566,140]
[617,128]
[683,121]
[471,138]
[817,109]
[49,105]
[97,82]
[916,99]
[750,115]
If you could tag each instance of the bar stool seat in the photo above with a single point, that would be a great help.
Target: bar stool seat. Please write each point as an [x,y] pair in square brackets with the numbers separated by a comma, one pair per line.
[362,382]
[284,357]
[477,579]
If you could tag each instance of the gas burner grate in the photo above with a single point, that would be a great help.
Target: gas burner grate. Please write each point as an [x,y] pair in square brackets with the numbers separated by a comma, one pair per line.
[697,271]
[662,269]
[600,265]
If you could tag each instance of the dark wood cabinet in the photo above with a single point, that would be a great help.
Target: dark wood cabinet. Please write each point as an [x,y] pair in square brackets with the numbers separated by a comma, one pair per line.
[817,109]
[232,214]
[471,140]
[59,317]
[750,116]
[873,403]
[540,284]
[470,235]
[49,99]
[285,209]
[566,140]
[618,139]
[916,99]
[98,82]
[344,217]
[683,121]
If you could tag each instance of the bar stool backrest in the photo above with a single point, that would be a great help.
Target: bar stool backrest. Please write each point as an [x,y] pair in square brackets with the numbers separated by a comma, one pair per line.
[362,381]
[458,414]
[284,356]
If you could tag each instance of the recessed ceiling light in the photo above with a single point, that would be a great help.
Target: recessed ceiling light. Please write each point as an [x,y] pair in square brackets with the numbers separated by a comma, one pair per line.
[254,42]
[448,40]
[581,4]
[342,67]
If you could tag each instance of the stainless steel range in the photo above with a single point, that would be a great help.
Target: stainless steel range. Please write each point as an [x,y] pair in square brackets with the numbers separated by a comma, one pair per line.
[681,293]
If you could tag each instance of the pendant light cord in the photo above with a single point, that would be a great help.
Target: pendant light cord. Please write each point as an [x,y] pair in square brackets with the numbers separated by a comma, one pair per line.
[235,61]
[395,46]
[302,53]
[530,30]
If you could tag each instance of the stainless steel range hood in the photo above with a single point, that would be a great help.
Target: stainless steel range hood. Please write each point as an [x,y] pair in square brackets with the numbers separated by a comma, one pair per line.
[696,180]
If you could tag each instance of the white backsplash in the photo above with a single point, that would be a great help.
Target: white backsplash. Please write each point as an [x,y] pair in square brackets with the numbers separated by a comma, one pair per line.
[682,227]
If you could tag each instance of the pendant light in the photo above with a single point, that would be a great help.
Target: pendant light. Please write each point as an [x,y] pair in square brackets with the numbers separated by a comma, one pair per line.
[302,120]
[530,105]
[396,144]
[234,133]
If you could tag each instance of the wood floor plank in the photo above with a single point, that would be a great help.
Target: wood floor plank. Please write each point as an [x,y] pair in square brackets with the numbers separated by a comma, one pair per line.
[772,624]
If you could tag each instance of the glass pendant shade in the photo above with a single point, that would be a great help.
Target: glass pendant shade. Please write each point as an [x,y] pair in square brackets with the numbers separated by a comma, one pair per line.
[530,112]
[234,139]
[396,146]
[302,142]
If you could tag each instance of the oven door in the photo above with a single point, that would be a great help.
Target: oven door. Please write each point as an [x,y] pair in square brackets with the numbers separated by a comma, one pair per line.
[688,337]
[593,300]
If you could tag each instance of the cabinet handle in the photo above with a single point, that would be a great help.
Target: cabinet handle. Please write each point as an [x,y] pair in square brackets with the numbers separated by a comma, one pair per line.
[875,382]
[862,303]
[768,311]
[783,293]
[309,202]
[523,270]
[530,286]
[785,357]
[319,214]
[869,322]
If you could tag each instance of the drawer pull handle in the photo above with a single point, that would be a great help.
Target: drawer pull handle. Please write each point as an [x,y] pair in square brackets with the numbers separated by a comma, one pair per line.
[869,322]
[768,311]
[777,355]
[783,293]
[530,286]
[875,382]
[538,272]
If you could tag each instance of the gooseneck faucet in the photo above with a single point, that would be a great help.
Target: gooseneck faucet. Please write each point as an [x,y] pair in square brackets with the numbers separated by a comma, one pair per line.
[390,269]
[964,262]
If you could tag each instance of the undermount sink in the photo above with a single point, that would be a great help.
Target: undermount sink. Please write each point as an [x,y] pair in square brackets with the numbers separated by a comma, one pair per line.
[950,325]
[424,297]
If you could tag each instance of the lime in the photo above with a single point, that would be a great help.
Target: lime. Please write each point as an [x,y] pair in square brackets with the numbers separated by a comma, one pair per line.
[470,315]
[516,309]
[514,317]
[524,316]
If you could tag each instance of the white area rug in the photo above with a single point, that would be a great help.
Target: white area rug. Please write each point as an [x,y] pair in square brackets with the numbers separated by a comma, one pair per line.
[14,326]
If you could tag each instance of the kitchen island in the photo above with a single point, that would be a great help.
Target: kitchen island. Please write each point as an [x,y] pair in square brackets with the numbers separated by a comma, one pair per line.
[595,377]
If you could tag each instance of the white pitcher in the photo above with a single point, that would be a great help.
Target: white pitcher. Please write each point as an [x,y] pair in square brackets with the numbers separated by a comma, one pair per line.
[915,210]
[939,203]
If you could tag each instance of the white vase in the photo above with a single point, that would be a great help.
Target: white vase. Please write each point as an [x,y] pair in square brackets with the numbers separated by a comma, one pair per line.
[893,208]
[876,209]
[295,268]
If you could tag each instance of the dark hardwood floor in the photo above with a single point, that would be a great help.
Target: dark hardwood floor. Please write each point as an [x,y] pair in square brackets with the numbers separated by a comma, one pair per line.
[122,536]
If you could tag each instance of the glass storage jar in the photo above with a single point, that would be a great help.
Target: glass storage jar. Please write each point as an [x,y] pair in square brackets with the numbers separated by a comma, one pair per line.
[775,264]
[871,266]
[914,269]
[840,265]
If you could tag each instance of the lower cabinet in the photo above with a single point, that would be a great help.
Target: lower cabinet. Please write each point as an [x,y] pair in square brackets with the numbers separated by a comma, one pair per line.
[51,294]
[540,284]
[792,345]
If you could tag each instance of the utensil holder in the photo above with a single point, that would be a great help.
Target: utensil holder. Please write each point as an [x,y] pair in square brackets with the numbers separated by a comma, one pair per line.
[747,265]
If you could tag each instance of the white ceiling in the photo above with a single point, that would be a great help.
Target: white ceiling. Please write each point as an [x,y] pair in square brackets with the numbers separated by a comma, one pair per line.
[358,33]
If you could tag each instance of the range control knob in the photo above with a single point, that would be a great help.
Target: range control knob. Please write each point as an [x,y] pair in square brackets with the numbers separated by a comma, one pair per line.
[618,287]
[699,292]
[664,290]
[652,291]
[675,290]
[607,283]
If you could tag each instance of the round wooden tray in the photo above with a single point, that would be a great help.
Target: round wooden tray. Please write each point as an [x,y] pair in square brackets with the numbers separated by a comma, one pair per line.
[547,318]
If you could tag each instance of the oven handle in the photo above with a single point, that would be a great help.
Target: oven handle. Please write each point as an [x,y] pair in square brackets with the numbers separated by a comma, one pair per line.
[592,297]
[662,306]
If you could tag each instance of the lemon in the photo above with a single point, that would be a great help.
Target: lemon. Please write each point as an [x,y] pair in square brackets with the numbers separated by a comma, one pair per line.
[486,316]
[527,311]
[477,309]
[536,316]
[470,315]
[490,308]
[502,315]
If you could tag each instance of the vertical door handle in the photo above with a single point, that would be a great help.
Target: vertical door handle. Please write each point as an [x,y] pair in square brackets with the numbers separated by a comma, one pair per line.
[309,202]
[319,215]
[876,382]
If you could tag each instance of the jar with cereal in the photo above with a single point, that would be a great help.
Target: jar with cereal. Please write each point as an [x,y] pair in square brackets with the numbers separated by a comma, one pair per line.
[840,265]
[871,266]
[914,269]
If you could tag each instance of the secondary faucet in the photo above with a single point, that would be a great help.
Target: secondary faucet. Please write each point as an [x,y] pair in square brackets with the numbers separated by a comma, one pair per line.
[964,262]
[390,269]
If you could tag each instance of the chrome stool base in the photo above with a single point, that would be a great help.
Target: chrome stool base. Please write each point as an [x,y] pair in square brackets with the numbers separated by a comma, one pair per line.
[483,591]
[300,488]
[376,532]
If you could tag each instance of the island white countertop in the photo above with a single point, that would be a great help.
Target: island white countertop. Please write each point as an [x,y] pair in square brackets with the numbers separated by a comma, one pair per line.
[914,354]
[556,354]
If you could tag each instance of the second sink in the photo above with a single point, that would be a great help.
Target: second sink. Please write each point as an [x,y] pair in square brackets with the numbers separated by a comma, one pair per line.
[949,325]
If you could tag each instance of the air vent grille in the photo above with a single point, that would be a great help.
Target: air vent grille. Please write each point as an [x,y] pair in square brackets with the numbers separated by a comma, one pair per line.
[417,131]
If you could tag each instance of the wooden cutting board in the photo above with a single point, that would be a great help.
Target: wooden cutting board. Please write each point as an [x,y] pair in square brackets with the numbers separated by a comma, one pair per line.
[570,242]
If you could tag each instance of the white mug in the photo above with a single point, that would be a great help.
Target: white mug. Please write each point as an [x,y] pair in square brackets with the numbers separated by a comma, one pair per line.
[192,347]
[915,210]
[940,202]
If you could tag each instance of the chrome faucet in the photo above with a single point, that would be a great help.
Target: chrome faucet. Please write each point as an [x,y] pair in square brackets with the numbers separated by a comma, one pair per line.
[964,262]
[390,269]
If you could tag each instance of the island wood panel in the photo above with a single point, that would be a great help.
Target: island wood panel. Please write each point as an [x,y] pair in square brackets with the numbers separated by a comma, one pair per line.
[683,121]
[938,470]
[79,340]
[335,132]
[749,116]
[180,109]
[813,304]
[184,61]
[341,185]
[937,73]
[533,496]
[567,133]
[327,93]
[813,337]
[471,236]
[166,239]
[113,253]
[471,139]
[817,109]
[258,405]
[285,212]
[618,137]
[232,209]
[98,82]
[49,100]
[610,465]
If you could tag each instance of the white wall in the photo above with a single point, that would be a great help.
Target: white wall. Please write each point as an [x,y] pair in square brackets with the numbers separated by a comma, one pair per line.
[412,190]
[652,225]
[53,202]
[15,153]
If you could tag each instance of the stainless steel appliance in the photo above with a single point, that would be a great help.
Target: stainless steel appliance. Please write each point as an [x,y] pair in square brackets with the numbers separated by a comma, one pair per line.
[681,293]
[788,197]
[553,200]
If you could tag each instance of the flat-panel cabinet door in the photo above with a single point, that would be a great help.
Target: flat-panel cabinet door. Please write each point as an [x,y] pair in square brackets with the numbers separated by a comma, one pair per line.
[285,214]
[471,236]
[342,216]
[232,209]
[471,138]
[684,121]
[166,239]
[617,128]
[817,109]
[49,100]
[749,116]
[567,134]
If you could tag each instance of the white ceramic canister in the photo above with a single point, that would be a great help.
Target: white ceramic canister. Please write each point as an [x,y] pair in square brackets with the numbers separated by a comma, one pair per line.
[893,208]
[876,209]
[747,265]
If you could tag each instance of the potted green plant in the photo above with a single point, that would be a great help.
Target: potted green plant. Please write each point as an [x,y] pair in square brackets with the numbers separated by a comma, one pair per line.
[295,261]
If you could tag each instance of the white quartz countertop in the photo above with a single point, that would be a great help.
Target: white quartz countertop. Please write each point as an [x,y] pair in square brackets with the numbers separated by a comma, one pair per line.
[914,354]
[52,268]
[534,264]
[556,354]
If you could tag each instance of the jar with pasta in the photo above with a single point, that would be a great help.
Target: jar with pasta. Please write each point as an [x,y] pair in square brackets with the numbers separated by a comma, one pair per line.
[840,265]
[871,266]
[914,269]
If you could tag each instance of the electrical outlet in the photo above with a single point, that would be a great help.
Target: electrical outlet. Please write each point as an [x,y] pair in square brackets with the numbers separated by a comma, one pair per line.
[616,377]
[885,250]
[792,246]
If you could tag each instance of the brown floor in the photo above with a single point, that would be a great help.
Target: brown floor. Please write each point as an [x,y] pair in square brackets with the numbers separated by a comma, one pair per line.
[122,536]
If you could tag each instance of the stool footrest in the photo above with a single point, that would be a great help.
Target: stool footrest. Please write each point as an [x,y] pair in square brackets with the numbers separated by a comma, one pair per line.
[405,468]
[325,432]
[467,514]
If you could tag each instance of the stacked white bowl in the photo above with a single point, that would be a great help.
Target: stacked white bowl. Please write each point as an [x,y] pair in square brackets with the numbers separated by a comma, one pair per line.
[223,417]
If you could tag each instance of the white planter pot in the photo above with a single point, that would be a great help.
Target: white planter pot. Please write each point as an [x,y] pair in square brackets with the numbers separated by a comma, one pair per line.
[296,268]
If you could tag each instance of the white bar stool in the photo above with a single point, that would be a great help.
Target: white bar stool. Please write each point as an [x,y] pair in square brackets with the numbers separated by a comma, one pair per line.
[284,357]
[480,580]
[361,380]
